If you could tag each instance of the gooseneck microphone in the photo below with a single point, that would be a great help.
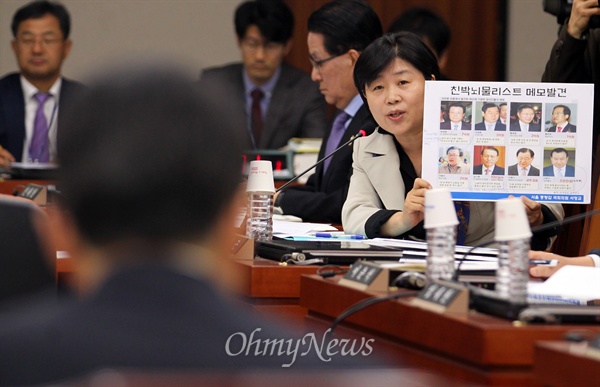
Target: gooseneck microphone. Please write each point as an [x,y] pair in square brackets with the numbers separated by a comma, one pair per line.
[360,133]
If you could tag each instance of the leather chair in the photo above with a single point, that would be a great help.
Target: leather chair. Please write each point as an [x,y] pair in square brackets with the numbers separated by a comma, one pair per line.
[25,267]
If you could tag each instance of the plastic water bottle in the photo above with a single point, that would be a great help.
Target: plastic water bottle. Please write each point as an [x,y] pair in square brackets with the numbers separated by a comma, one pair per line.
[440,253]
[440,223]
[259,223]
[513,270]
[513,235]
[260,189]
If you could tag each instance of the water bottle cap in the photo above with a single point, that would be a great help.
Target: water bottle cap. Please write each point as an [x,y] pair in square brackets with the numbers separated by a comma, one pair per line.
[260,177]
[511,220]
[439,208]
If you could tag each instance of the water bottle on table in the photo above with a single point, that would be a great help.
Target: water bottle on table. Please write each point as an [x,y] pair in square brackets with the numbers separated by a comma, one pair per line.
[260,189]
[440,223]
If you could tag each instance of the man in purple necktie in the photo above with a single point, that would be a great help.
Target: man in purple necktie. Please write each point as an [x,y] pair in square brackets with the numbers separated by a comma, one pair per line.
[30,99]
[333,48]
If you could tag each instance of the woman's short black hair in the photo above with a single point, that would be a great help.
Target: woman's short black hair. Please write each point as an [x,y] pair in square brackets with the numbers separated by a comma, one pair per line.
[379,54]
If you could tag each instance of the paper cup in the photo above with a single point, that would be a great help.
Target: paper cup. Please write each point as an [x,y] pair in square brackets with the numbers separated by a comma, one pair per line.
[260,177]
[511,220]
[439,208]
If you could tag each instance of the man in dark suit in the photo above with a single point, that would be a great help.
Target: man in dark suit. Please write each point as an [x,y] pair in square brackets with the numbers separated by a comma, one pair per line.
[271,100]
[151,239]
[333,49]
[490,121]
[524,123]
[561,114]
[41,44]
[523,166]
[456,114]
[489,157]
[559,157]
[503,113]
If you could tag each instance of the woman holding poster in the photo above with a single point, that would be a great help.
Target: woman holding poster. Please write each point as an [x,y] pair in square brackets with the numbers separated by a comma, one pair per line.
[386,196]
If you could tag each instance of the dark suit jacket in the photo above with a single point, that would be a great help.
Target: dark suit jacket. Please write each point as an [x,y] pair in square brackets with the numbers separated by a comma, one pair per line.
[297,108]
[446,125]
[323,196]
[574,60]
[566,128]
[513,170]
[12,110]
[569,171]
[142,317]
[515,127]
[499,126]
[478,170]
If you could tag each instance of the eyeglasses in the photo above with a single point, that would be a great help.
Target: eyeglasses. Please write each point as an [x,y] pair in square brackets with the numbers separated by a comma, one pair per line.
[29,41]
[317,64]
[251,45]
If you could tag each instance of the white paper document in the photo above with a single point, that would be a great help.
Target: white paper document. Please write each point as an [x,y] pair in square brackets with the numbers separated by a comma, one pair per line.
[285,229]
[569,282]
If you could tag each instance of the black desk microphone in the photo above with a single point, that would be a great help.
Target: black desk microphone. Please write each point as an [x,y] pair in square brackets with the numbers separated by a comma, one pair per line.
[360,133]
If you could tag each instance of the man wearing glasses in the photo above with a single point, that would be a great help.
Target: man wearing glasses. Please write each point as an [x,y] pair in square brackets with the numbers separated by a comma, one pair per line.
[337,33]
[271,100]
[30,100]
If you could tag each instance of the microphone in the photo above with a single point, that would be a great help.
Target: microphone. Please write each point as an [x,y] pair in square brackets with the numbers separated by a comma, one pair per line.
[361,133]
[411,280]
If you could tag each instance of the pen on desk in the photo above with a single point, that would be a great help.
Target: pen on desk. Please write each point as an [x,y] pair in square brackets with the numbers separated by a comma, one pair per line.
[549,262]
[336,236]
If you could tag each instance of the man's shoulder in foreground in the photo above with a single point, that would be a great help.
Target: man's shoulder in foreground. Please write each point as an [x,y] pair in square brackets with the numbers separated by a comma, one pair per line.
[151,318]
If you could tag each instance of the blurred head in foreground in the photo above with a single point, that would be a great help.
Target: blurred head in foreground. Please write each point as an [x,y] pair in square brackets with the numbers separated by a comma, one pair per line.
[146,162]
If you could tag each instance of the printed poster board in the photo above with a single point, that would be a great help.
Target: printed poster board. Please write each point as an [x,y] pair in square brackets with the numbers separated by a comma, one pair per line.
[543,150]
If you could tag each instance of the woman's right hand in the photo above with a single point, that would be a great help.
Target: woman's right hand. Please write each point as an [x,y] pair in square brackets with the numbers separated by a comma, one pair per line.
[413,213]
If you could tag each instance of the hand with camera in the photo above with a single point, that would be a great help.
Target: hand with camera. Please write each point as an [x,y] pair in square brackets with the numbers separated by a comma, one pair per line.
[583,13]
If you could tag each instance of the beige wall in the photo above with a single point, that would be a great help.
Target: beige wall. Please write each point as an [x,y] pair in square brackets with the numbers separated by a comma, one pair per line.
[531,34]
[199,33]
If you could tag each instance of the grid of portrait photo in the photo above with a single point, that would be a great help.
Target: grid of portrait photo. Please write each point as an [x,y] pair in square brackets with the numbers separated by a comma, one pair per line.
[491,146]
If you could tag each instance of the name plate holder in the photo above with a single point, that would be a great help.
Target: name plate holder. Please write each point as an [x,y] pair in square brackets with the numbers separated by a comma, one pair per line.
[443,297]
[36,193]
[364,275]
[243,247]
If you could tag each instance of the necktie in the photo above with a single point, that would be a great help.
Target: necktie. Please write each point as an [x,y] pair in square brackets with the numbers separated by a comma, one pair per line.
[489,127]
[523,171]
[560,129]
[39,149]
[455,126]
[463,212]
[256,118]
[487,171]
[337,132]
[560,172]
[526,127]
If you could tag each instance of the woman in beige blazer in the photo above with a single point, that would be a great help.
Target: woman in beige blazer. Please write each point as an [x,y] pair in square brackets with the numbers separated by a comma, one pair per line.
[386,196]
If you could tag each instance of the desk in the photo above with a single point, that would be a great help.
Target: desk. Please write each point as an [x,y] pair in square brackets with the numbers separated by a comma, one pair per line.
[476,348]
[7,187]
[273,288]
[562,363]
